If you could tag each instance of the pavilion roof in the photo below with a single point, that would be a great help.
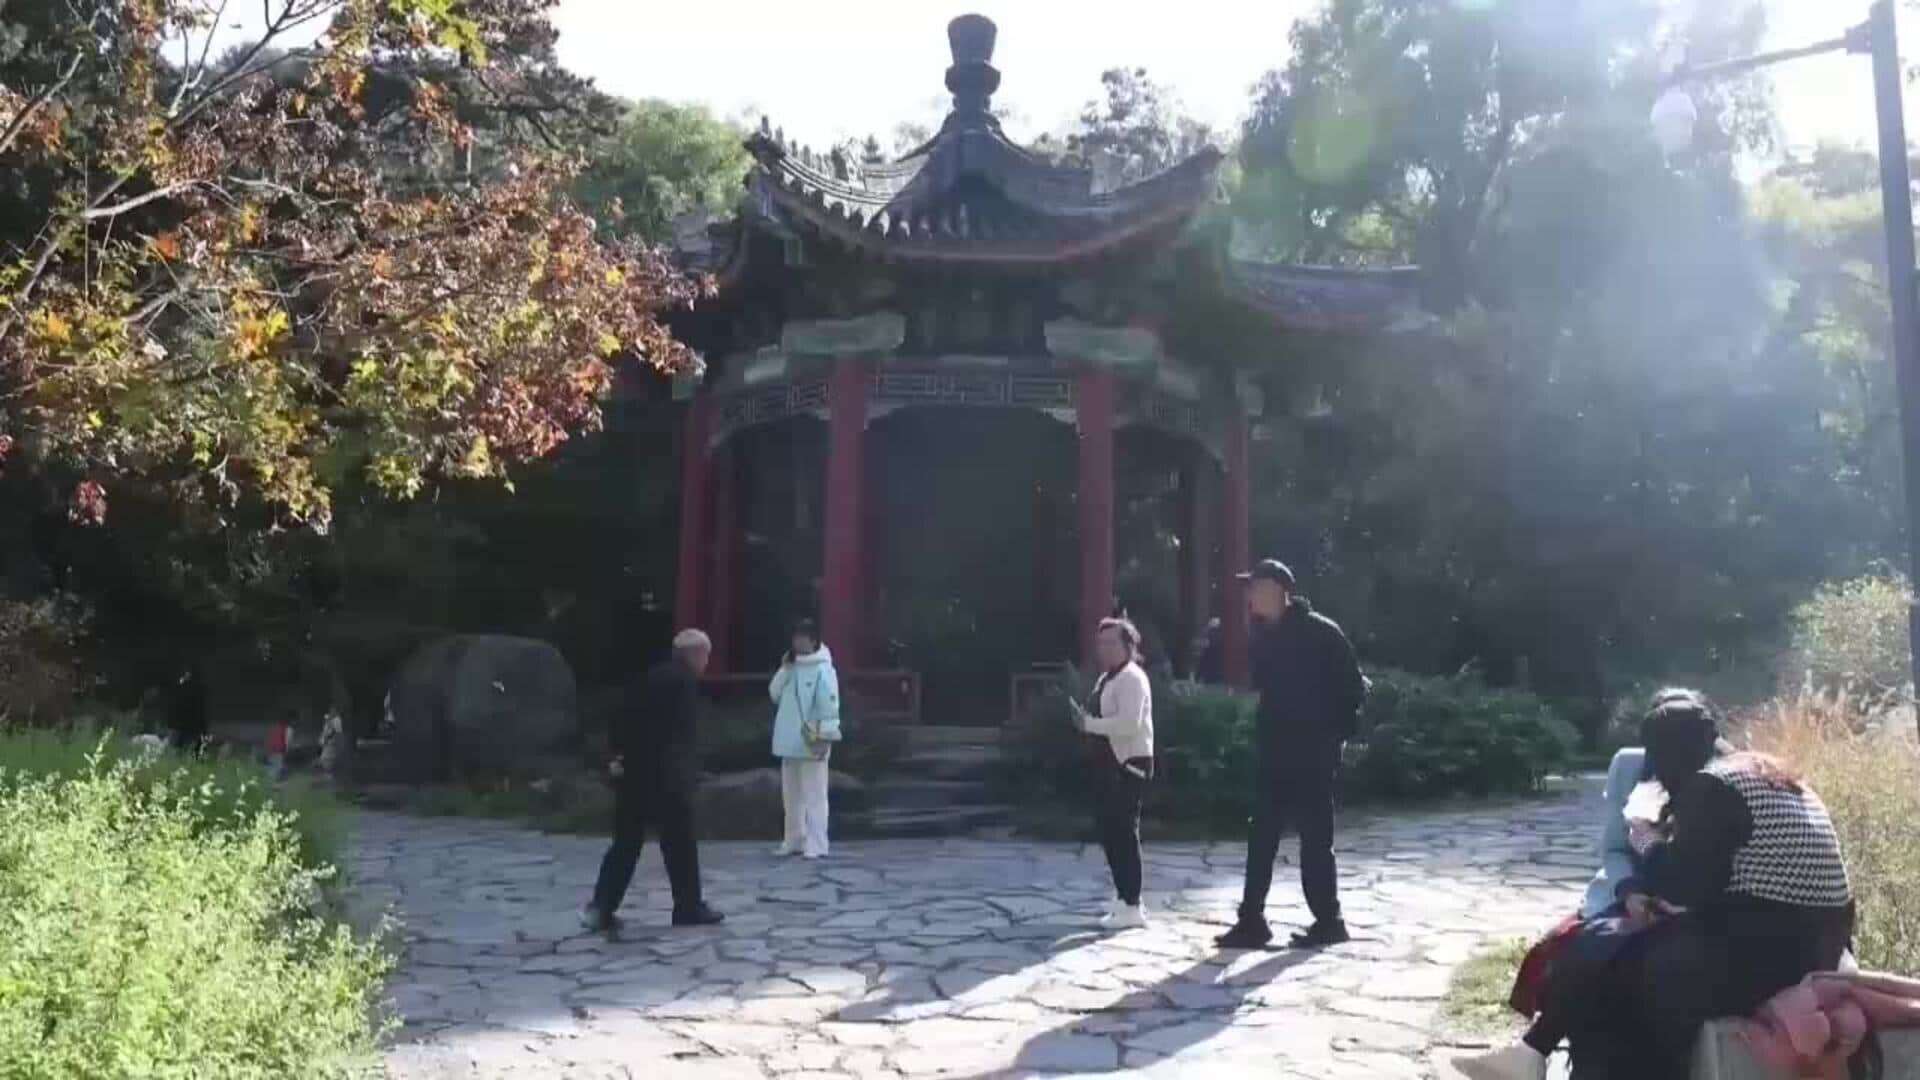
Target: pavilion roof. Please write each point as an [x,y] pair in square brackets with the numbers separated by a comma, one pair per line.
[1328,299]
[969,194]
[972,196]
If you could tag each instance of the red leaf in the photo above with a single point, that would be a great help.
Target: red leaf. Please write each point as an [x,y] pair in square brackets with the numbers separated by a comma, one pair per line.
[89,505]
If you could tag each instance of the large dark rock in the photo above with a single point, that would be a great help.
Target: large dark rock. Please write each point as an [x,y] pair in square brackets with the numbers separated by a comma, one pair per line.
[479,704]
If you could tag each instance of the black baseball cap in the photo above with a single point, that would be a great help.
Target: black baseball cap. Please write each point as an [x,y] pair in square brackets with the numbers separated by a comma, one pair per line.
[1269,570]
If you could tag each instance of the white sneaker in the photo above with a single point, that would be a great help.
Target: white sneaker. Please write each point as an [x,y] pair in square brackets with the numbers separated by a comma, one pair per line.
[1126,916]
[783,851]
[814,855]
[1516,1062]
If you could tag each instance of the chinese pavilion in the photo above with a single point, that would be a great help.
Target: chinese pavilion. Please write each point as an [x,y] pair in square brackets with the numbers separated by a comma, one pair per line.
[933,384]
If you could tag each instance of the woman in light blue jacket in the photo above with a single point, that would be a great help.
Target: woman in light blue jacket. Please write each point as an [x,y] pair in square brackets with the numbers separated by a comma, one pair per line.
[806,724]
[1616,854]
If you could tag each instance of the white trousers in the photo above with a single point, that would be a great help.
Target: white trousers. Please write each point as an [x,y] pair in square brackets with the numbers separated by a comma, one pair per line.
[803,791]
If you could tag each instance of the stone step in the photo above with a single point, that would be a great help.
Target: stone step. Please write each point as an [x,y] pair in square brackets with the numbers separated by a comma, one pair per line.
[975,763]
[930,822]
[916,794]
[951,735]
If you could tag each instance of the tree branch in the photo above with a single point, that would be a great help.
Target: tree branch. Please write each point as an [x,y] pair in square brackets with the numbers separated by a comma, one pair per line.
[38,101]
[97,212]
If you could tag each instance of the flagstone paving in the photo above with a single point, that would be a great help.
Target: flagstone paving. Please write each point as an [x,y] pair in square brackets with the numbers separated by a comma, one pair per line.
[944,958]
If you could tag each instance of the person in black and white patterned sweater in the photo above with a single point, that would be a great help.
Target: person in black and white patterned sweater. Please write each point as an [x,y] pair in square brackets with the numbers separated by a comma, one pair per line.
[1747,897]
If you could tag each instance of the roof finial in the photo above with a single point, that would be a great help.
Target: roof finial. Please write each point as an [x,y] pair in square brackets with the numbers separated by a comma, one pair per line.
[972,78]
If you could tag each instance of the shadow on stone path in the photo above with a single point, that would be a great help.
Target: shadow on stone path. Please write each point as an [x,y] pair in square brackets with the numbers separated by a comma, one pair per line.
[954,958]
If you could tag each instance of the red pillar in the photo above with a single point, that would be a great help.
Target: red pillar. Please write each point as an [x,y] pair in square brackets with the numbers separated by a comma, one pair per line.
[1196,578]
[1236,543]
[725,545]
[1093,403]
[840,588]
[690,579]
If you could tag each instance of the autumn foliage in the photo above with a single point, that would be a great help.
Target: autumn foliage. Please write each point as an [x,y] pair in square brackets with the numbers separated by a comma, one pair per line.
[275,274]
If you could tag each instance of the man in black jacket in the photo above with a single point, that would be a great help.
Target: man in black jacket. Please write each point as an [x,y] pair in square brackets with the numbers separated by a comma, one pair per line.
[1311,690]
[655,768]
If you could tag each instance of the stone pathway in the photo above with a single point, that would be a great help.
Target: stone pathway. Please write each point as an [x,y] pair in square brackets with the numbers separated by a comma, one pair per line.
[944,958]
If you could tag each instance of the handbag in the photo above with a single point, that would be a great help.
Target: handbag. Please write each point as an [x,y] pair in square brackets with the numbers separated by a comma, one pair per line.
[810,727]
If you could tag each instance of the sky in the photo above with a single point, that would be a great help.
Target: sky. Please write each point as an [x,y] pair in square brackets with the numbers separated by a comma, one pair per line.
[830,69]
[827,69]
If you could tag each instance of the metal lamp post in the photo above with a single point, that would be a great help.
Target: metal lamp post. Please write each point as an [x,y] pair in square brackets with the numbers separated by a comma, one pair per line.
[1673,119]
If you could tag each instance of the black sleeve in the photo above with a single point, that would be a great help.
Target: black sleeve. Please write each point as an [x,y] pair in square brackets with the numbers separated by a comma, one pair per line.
[627,730]
[1710,824]
[1348,684]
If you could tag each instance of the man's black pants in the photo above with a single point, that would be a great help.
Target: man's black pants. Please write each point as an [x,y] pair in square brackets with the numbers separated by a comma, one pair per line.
[1303,797]
[637,810]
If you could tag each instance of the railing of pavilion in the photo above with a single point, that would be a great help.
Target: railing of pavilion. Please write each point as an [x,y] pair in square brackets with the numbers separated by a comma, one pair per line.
[874,699]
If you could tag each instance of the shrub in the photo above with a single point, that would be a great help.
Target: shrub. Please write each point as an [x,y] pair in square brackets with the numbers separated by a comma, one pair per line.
[1205,754]
[1422,738]
[1851,637]
[1045,756]
[158,926]
[1868,774]
[40,668]
[230,789]
[1428,737]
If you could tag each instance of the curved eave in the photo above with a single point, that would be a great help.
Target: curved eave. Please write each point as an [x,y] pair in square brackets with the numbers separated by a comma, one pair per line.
[905,189]
[1330,300]
[940,246]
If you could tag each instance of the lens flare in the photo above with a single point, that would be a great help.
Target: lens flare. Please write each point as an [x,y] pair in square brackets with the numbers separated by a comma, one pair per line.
[1333,137]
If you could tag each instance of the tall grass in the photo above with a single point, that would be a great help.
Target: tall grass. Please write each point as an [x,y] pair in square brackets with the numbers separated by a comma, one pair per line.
[1868,774]
[232,789]
[166,919]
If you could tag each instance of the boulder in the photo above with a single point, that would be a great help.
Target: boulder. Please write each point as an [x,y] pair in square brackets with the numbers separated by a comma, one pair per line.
[482,704]
[746,805]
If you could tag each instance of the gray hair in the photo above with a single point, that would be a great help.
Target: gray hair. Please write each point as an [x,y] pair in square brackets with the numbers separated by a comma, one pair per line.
[691,638]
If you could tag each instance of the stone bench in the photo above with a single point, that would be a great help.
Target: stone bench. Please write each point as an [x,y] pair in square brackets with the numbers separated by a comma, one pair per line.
[1723,1055]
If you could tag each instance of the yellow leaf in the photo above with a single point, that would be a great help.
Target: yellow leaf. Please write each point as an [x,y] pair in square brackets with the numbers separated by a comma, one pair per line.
[615,277]
[478,459]
[95,421]
[56,329]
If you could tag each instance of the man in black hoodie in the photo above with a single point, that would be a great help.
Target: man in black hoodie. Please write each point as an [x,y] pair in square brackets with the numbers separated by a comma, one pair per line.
[1311,690]
[655,769]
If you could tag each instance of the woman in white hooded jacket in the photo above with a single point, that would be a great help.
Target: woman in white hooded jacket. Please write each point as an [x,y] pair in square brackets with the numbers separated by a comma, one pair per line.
[806,724]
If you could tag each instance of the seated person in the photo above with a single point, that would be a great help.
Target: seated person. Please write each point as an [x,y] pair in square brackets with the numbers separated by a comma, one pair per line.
[1618,851]
[1748,896]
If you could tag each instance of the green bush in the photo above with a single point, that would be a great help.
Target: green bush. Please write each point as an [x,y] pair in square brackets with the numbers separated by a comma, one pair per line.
[1204,750]
[1428,737]
[159,925]
[1419,738]
[232,790]
[1851,637]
